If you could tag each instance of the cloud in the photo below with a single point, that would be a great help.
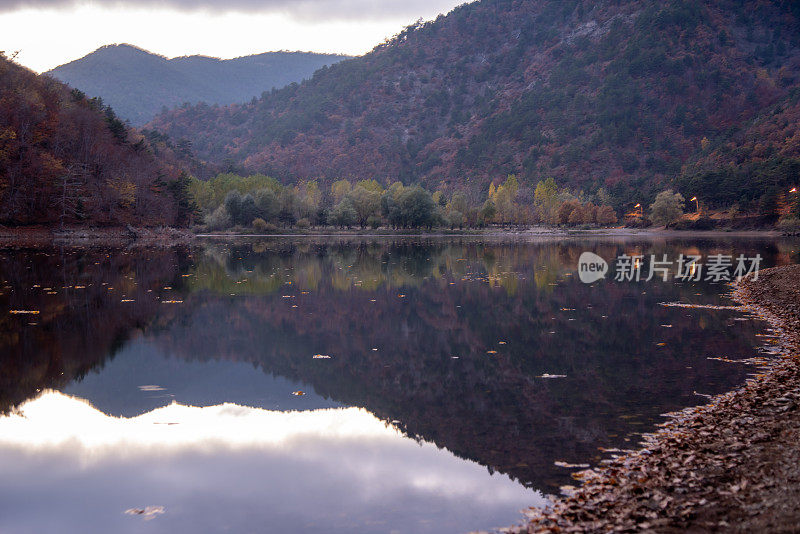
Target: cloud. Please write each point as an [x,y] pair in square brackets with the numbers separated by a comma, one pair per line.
[302,9]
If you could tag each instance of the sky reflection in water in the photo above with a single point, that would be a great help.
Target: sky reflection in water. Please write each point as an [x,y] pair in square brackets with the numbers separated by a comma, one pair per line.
[236,468]
[176,370]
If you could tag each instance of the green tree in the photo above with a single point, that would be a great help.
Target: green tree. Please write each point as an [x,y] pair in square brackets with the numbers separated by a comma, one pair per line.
[366,202]
[545,200]
[309,198]
[371,185]
[343,214]
[288,212]
[267,204]
[667,208]
[390,203]
[458,202]
[487,213]
[504,198]
[416,208]
[339,189]
[455,218]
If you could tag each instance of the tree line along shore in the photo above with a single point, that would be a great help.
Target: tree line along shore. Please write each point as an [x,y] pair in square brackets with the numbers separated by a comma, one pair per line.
[260,204]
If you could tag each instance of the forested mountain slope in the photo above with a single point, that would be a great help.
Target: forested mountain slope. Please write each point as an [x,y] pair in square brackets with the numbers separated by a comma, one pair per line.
[66,159]
[138,84]
[618,94]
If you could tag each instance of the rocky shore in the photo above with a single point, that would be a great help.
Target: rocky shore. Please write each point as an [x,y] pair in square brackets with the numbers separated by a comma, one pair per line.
[732,465]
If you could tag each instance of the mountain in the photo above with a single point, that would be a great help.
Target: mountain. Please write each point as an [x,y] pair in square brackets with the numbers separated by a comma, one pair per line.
[624,94]
[66,159]
[138,84]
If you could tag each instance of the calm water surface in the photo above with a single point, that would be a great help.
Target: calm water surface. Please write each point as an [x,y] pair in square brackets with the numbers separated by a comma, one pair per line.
[340,385]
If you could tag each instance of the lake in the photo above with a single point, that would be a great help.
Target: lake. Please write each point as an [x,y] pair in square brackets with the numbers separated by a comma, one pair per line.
[342,384]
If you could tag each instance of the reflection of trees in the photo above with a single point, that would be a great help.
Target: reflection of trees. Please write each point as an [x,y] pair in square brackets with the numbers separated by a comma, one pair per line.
[461,298]
[83,322]
[490,408]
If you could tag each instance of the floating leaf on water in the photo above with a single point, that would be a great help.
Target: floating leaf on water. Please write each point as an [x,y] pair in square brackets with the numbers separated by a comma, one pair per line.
[298,393]
[321,357]
[147,513]
[127,300]
[702,306]
[501,342]
[491,352]
[570,466]
[662,344]
[27,312]
[548,375]
[150,387]
[401,296]
[171,302]
[667,325]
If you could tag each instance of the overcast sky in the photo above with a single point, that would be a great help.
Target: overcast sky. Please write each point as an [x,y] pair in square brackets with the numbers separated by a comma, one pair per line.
[49,33]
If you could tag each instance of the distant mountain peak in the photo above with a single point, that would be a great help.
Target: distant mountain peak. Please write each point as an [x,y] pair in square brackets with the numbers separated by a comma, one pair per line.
[138,83]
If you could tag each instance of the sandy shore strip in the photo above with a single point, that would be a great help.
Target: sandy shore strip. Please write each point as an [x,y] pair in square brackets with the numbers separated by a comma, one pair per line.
[732,465]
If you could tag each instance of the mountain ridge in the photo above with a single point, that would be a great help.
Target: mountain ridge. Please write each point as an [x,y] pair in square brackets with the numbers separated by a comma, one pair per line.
[612,94]
[138,83]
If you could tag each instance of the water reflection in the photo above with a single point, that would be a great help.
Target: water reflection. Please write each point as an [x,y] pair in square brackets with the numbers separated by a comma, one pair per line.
[236,468]
[442,342]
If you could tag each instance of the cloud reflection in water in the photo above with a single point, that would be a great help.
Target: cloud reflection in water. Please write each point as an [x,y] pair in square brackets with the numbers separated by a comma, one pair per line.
[236,468]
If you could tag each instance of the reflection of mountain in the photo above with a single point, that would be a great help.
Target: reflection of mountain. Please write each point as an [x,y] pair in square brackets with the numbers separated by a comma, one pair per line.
[491,408]
[142,378]
[81,317]
[274,304]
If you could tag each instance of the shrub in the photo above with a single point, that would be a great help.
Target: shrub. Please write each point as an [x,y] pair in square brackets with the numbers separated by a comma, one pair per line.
[259,225]
[218,219]
[790,225]
[374,222]
[303,223]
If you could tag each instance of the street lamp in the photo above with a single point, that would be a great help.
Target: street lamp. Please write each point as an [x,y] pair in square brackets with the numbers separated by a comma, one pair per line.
[698,203]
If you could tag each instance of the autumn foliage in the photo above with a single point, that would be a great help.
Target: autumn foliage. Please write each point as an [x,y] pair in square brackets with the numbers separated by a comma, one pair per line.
[66,159]
[618,95]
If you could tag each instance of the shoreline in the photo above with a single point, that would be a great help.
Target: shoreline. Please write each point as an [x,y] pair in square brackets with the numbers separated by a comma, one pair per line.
[731,465]
[168,236]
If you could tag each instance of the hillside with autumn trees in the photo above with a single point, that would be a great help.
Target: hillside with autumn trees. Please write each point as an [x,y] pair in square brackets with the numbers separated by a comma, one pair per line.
[632,96]
[69,160]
